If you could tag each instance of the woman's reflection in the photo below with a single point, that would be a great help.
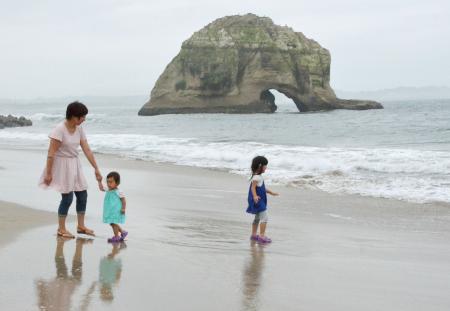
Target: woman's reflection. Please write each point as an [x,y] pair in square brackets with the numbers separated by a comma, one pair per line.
[110,272]
[56,294]
[252,276]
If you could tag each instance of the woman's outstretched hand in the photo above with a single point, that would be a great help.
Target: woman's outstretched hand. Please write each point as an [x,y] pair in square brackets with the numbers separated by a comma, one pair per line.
[100,186]
[98,175]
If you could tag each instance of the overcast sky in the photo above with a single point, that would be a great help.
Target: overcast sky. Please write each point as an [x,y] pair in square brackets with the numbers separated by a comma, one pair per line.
[52,48]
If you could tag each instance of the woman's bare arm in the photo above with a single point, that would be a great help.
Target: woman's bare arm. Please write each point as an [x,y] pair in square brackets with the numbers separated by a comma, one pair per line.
[90,156]
[52,148]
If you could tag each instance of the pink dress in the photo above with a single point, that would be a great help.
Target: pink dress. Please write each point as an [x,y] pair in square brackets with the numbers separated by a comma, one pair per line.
[67,175]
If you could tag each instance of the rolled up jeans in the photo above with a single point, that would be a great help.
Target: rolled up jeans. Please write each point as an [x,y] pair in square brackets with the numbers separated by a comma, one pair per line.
[66,201]
[261,217]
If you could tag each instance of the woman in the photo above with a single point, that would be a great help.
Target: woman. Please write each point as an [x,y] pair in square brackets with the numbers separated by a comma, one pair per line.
[63,171]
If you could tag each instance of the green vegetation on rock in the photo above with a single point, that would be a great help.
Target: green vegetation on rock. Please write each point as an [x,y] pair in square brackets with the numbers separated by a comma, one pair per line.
[231,64]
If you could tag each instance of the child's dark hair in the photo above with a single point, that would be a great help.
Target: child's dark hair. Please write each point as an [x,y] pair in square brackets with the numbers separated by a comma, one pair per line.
[76,109]
[115,176]
[257,163]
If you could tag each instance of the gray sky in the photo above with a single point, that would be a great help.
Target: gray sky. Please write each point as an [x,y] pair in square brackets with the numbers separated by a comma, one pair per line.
[52,48]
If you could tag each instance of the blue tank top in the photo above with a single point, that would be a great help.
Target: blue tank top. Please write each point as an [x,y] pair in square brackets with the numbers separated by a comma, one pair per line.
[255,208]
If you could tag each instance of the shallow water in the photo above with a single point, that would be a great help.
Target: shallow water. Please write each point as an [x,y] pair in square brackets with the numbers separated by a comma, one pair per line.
[182,260]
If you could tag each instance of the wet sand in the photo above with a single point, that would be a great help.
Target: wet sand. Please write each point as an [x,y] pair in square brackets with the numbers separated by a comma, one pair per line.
[188,247]
[15,219]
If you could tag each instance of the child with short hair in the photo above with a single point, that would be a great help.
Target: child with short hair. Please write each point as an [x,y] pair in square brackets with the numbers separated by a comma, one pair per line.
[114,206]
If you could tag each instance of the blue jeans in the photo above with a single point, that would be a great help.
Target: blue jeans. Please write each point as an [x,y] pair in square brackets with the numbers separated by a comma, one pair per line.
[66,201]
[261,217]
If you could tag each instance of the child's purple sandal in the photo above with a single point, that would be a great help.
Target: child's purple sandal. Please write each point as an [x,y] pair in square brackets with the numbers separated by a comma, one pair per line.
[254,237]
[114,239]
[123,235]
[264,239]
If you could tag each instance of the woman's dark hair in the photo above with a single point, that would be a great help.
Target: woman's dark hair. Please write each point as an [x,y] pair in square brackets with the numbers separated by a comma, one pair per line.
[257,163]
[76,109]
[115,176]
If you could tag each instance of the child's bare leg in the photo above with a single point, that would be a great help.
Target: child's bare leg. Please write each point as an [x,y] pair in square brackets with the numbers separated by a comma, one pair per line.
[115,229]
[119,228]
[263,219]
[254,229]
[262,228]
[255,225]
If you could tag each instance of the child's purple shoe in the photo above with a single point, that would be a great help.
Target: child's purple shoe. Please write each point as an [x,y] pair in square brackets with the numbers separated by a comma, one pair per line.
[254,237]
[114,239]
[124,235]
[264,239]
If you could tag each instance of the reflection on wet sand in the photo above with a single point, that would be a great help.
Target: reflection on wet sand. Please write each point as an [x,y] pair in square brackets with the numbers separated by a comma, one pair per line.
[110,272]
[56,294]
[252,277]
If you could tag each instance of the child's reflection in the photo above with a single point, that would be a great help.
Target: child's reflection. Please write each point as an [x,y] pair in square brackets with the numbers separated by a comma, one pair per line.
[56,294]
[110,272]
[252,276]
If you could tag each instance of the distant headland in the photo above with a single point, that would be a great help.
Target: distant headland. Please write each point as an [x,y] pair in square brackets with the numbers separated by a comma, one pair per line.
[400,93]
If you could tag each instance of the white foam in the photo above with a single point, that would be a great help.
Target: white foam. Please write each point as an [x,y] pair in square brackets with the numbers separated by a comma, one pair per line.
[413,175]
[339,216]
[45,116]
[14,135]
[40,116]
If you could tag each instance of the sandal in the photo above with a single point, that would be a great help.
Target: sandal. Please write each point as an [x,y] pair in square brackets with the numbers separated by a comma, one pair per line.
[65,234]
[254,237]
[85,231]
[114,239]
[264,240]
[123,235]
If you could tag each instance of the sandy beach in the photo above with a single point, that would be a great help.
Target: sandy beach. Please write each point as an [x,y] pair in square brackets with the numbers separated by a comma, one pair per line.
[15,219]
[189,246]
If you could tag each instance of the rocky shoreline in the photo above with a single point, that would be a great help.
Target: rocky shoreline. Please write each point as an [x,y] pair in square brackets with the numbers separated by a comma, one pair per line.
[11,121]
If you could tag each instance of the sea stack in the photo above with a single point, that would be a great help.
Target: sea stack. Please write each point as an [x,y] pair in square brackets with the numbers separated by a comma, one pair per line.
[231,65]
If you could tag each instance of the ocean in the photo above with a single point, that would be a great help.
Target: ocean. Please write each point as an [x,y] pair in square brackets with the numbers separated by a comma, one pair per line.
[400,152]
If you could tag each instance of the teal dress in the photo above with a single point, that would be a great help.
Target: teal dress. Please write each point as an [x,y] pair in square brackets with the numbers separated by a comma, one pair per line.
[111,208]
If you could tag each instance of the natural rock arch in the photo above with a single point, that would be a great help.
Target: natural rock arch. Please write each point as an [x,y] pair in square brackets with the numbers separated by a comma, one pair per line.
[268,98]
[229,66]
